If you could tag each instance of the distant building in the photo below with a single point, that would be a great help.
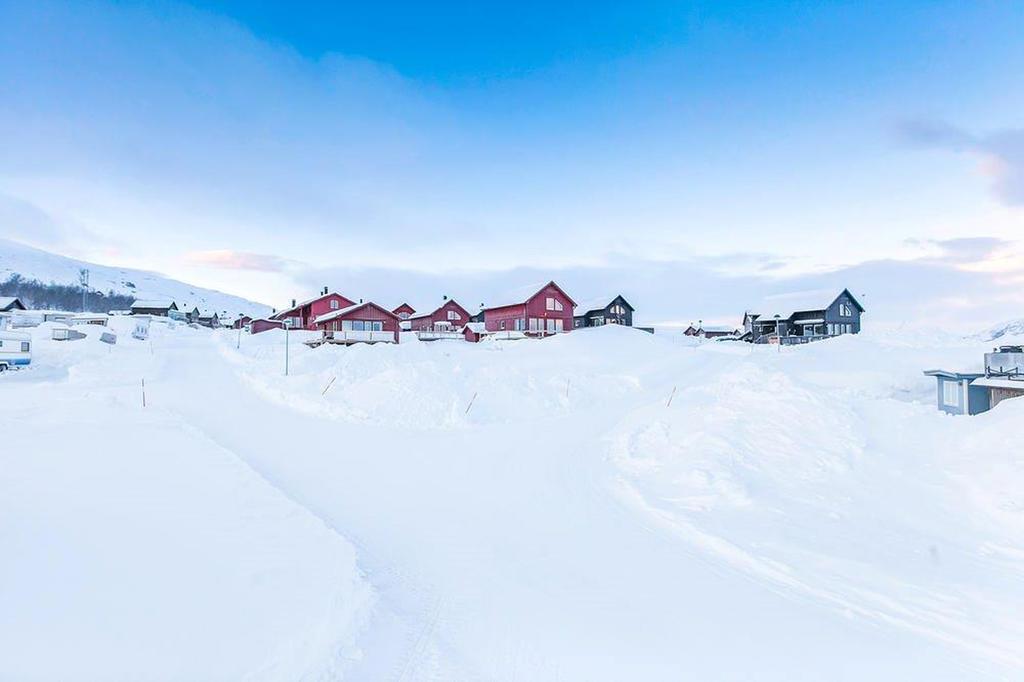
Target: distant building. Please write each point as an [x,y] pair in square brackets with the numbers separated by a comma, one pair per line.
[546,311]
[156,307]
[9,303]
[804,317]
[242,322]
[262,324]
[975,392]
[303,315]
[185,313]
[208,318]
[601,311]
[714,331]
[449,316]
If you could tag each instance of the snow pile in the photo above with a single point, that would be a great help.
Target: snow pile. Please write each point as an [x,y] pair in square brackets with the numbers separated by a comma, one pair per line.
[606,504]
[137,547]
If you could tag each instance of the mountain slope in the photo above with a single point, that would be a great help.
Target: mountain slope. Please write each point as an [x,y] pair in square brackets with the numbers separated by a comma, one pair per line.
[48,267]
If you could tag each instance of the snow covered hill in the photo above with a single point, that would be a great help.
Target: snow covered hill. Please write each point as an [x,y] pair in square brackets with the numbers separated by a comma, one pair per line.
[47,267]
[603,505]
[1006,329]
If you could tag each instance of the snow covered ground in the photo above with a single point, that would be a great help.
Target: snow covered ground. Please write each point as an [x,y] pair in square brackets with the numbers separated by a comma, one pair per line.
[606,504]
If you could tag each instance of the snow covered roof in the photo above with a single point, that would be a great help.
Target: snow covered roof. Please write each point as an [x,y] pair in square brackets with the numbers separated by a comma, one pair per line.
[598,303]
[785,305]
[309,301]
[327,317]
[475,327]
[526,293]
[9,301]
[717,328]
[1000,382]
[160,303]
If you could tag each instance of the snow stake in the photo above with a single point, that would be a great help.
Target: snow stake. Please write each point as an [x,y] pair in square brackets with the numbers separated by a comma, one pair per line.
[671,395]
[471,400]
[143,392]
[329,384]
[567,387]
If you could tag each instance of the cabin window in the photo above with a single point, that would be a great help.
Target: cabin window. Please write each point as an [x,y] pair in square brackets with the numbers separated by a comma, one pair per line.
[502,325]
[554,304]
[334,304]
[24,346]
[403,316]
[618,310]
[519,324]
[845,310]
[454,315]
[951,393]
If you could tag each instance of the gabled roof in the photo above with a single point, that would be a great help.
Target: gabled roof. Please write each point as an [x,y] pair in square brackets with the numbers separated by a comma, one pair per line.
[787,305]
[11,303]
[420,316]
[334,314]
[302,304]
[536,293]
[158,303]
[602,302]
[403,305]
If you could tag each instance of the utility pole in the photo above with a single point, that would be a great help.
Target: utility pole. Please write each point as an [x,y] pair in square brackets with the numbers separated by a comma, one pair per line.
[83,279]
[286,328]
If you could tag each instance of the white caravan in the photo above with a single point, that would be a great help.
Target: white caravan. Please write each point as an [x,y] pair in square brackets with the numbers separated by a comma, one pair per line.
[15,350]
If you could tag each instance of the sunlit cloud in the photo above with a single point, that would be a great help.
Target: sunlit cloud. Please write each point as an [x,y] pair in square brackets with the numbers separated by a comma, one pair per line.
[236,260]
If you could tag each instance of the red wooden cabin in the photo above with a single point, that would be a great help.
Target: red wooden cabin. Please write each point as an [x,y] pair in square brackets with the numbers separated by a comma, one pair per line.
[241,322]
[359,323]
[303,315]
[449,316]
[548,311]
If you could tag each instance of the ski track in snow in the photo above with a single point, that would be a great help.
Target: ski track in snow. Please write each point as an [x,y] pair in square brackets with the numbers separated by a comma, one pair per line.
[570,525]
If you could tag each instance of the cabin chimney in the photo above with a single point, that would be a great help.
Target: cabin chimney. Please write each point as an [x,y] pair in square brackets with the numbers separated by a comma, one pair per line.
[444,298]
[360,300]
[325,291]
[293,302]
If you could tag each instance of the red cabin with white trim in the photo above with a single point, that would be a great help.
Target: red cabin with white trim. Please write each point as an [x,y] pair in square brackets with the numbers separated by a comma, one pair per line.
[548,311]
[359,323]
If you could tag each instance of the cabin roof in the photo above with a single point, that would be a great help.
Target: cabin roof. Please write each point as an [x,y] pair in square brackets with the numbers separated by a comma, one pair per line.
[159,303]
[334,314]
[788,304]
[600,303]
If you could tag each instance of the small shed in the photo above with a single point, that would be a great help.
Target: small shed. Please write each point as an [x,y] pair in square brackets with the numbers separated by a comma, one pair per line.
[957,394]
[473,331]
[262,324]
[141,329]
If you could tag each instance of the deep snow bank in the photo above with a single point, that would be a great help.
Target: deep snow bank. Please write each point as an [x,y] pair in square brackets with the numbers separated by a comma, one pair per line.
[601,505]
[134,547]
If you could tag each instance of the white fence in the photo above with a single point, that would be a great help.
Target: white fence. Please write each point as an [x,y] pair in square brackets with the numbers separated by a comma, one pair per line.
[359,336]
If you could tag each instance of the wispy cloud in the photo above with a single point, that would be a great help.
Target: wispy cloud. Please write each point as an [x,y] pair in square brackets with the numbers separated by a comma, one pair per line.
[236,260]
[999,155]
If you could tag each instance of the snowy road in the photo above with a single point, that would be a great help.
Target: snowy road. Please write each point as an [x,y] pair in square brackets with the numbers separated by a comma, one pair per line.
[543,536]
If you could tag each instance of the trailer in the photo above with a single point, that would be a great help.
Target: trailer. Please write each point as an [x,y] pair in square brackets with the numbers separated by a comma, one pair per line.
[15,350]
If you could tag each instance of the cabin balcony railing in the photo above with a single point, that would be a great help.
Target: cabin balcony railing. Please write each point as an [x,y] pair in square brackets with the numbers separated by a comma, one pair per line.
[436,335]
[362,336]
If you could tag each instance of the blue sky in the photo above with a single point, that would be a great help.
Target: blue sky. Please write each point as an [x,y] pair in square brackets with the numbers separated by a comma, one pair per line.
[697,156]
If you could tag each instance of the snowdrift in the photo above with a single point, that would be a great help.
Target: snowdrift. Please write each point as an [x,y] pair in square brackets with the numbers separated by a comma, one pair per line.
[606,504]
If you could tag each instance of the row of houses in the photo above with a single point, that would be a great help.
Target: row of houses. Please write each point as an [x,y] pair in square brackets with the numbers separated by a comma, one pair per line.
[168,308]
[792,319]
[545,311]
